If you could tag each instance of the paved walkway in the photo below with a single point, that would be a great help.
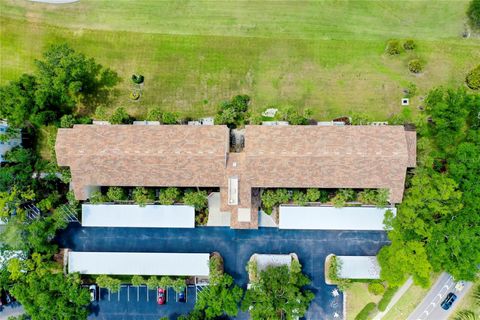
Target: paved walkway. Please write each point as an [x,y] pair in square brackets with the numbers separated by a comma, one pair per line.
[236,247]
[400,292]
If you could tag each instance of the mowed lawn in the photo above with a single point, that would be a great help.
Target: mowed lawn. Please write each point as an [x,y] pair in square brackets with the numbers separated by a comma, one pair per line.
[326,55]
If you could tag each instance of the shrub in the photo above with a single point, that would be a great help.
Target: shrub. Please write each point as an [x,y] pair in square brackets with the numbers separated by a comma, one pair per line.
[300,198]
[138,78]
[378,197]
[233,113]
[97,197]
[197,199]
[387,297]
[415,65]
[393,47]
[201,219]
[154,114]
[110,283]
[67,121]
[342,197]
[152,282]
[409,44]
[473,14]
[137,280]
[134,95]
[142,196]
[169,118]
[313,195]
[365,312]
[169,196]
[376,288]
[120,116]
[272,198]
[411,90]
[473,78]
[116,194]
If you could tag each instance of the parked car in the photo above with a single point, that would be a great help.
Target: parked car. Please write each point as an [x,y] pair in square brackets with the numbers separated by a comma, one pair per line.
[161,296]
[182,295]
[449,300]
[93,292]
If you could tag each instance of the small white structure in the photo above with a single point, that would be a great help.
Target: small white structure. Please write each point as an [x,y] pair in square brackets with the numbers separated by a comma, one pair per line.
[270,112]
[202,122]
[405,102]
[8,145]
[330,123]
[101,123]
[330,218]
[146,123]
[150,216]
[274,123]
[139,263]
[359,267]
[233,191]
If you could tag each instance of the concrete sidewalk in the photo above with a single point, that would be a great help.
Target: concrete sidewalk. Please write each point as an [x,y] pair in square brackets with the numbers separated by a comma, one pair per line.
[400,292]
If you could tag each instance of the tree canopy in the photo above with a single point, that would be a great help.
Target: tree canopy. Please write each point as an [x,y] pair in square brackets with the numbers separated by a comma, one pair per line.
[278,294]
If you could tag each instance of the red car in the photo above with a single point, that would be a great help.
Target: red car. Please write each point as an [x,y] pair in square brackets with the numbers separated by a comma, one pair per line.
[161,294]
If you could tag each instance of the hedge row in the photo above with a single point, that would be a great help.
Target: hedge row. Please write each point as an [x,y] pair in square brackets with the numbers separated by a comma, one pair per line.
[365,312]
[387,297]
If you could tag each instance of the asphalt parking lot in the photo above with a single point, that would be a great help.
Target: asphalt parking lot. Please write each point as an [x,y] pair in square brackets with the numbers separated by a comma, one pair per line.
[133,302]
[236,247]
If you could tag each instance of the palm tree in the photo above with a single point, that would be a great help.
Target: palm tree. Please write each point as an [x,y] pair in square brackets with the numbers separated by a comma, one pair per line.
[476,295]
[466,315]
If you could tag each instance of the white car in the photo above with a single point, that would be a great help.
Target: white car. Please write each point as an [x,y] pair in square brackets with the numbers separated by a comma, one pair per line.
[93,292]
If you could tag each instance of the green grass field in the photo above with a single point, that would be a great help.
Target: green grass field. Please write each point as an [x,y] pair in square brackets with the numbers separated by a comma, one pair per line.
[326,55]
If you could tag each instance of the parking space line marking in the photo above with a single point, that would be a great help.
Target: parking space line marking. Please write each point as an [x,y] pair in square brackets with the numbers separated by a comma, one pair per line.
[108,294]
[148,293]
[118,299]
[138,293]
[128,293]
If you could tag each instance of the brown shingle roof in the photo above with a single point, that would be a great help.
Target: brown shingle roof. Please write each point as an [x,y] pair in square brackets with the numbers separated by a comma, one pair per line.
[127,155]
[328,157]
[274,156]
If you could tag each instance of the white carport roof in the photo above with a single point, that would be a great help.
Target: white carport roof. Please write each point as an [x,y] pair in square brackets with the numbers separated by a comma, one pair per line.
[330,218]
[359,267]
[150,216]
[272,260]
[138,263]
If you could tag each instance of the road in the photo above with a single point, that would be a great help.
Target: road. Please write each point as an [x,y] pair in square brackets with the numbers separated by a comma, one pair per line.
[236,247]
[429,308]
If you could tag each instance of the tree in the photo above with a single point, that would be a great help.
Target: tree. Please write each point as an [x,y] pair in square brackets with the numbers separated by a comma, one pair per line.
[466,315]
[116,194]
[65,76]
[46,293]
[401,259]
[142,196]
[152,282]
[197,199]
[219,298]
[138,280]
[108,282]
[313,195]
[233,113]
[473,14]
[67,121]
[169,196]
[278,294]
[154,114]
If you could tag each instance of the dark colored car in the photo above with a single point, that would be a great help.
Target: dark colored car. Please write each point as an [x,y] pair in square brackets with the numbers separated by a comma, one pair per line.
[161,296]
[449,300]
[182,295]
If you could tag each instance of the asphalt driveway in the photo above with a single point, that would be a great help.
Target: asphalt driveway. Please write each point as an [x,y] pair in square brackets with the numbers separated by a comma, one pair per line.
[236,247]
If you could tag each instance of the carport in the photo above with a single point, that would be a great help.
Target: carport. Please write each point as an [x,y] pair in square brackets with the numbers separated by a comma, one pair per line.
[359,267]
[139,263]
[330,218]
[134,216]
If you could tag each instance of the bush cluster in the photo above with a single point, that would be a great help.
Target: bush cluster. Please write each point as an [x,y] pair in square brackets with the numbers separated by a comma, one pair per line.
[473,78]
[409,44]
[393,47]
[376,288]
[138,78]
[387,297]
[365,312]
[233,113]
[415,65]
